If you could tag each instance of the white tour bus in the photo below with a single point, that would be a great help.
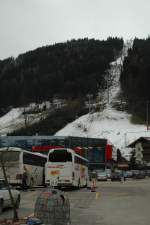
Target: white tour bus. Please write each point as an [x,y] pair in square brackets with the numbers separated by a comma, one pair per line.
[17,161]
[66,168]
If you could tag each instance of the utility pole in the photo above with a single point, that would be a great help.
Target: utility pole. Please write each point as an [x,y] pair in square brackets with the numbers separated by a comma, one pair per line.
[147,115]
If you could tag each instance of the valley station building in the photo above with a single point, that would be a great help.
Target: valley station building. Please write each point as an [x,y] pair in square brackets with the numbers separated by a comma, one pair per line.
[99,151]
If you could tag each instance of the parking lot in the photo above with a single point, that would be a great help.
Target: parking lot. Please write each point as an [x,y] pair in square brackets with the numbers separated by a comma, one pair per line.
[113,203]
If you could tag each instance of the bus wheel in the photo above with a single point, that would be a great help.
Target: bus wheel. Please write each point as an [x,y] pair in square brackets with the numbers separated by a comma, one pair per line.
[86,184]
[31,182]
[1,206]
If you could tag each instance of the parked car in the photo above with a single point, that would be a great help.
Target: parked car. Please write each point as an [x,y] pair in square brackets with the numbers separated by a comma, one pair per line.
[129,174]
[5,200]
[140,175]
[115,176]
[148,173]
[101,175]
[135,173]
[108,172]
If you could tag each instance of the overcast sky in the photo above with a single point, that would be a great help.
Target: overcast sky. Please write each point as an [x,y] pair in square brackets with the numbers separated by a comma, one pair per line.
[28,24]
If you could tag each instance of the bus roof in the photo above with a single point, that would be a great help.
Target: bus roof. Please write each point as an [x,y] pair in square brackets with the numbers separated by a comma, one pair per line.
[8,149]
[69,150]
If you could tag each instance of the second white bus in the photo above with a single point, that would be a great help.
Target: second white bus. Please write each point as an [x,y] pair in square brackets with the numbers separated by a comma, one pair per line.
[66,168]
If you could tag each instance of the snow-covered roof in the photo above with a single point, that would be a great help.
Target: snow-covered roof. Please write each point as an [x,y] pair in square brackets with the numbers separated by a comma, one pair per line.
[132,145]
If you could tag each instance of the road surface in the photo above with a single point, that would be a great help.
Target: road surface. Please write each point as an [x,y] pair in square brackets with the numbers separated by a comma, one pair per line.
[113,203]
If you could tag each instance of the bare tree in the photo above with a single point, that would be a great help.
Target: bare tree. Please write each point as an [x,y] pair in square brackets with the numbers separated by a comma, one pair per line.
[14,205]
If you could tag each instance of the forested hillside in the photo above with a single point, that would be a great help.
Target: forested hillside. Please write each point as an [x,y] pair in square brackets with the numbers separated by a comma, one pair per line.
[67,71]
[135,78]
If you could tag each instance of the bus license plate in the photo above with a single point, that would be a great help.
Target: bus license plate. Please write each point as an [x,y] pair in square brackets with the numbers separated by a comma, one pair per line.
[55,172]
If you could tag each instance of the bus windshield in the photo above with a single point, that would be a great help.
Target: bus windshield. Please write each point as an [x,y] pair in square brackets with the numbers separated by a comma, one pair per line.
[10,156]
[60,156]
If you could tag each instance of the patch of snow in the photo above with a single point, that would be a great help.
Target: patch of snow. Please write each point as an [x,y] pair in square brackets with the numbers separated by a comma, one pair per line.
[16,119]
[10,116]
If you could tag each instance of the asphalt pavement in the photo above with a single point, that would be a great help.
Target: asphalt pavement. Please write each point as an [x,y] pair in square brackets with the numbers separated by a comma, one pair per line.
[113,203]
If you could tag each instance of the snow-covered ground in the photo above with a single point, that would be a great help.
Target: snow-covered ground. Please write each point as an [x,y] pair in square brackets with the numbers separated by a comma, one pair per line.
[111,124]
[16,117]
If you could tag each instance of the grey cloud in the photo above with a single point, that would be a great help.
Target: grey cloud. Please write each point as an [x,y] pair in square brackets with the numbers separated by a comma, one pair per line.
[28,24]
